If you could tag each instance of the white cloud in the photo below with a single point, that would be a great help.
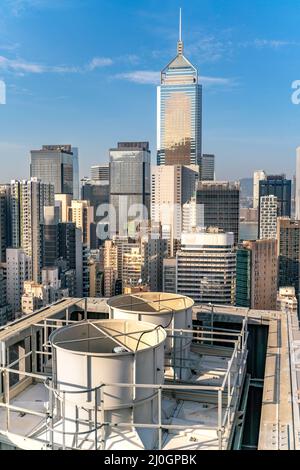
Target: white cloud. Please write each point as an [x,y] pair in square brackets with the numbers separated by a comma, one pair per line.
[21,66]
[269,43]
[143,77]
[18,7]
[211,81]
[98,62]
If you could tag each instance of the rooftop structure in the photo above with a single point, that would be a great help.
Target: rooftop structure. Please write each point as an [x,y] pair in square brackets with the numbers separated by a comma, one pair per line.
[46,405]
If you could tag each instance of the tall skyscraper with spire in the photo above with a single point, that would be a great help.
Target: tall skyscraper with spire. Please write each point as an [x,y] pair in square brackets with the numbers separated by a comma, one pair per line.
[179,112]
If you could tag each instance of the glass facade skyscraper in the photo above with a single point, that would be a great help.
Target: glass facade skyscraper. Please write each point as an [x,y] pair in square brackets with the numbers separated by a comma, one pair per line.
[179,113]
[130,181]
[280,187]
[55,164]
[221,201]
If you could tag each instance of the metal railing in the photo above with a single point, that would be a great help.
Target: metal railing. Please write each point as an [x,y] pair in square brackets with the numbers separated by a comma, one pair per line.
[227,394]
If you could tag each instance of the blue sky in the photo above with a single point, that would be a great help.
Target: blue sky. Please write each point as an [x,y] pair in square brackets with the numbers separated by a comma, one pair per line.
[84,72]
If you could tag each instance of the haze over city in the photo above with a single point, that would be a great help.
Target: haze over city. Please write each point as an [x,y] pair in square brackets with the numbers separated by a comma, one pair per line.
[86,72]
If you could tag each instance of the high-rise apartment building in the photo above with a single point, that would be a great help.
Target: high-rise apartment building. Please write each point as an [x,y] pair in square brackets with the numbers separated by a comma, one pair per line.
[82,215]
[133,267]
[279,186]
[129,185]
[258,176]
[100,172]
[28,201]
[3,226]
[207,167]
[63,202]
[155,251]
[288,238]
[50,237]
[5,192]
[268,217]
[179,113]
[256,277]
[206,267]
[221,201]
[192,215]
[5,308]
[55,164]
[18,271]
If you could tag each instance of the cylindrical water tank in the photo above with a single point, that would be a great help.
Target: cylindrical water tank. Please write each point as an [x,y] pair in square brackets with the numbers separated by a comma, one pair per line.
[172,311]
[90,353]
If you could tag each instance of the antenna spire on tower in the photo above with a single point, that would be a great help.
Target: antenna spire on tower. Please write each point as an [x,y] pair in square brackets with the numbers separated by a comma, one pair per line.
[180,43]
[180,25]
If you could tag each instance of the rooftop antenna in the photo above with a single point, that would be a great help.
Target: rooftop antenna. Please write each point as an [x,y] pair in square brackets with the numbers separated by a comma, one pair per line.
[180,43]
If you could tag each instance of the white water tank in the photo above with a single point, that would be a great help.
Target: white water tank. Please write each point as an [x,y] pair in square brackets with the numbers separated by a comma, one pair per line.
[171,311]
[90,353]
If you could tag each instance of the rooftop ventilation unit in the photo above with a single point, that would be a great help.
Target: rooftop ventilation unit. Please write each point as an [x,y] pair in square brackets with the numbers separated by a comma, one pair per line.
[171,311]
[119,352]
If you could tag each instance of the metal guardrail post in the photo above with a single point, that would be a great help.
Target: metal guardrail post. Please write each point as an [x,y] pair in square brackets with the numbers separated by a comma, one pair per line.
[159,419]
[228,398]
[220,418]
[6,395]
[64,419]
[95,419]
[51,416]
[101,392]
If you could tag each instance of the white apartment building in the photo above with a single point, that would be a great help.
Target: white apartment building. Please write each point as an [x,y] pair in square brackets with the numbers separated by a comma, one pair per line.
[268,217]
[206,267]
[258,176]
[192,215]
[18,271]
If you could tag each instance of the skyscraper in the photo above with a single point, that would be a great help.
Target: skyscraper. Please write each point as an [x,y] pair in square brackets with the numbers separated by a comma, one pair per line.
[76,190]
[97,193]
[207,167]
[279,186]
[29,200]
[172,186]
[179,112]
[221,202]
[129,183]
[55,164]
